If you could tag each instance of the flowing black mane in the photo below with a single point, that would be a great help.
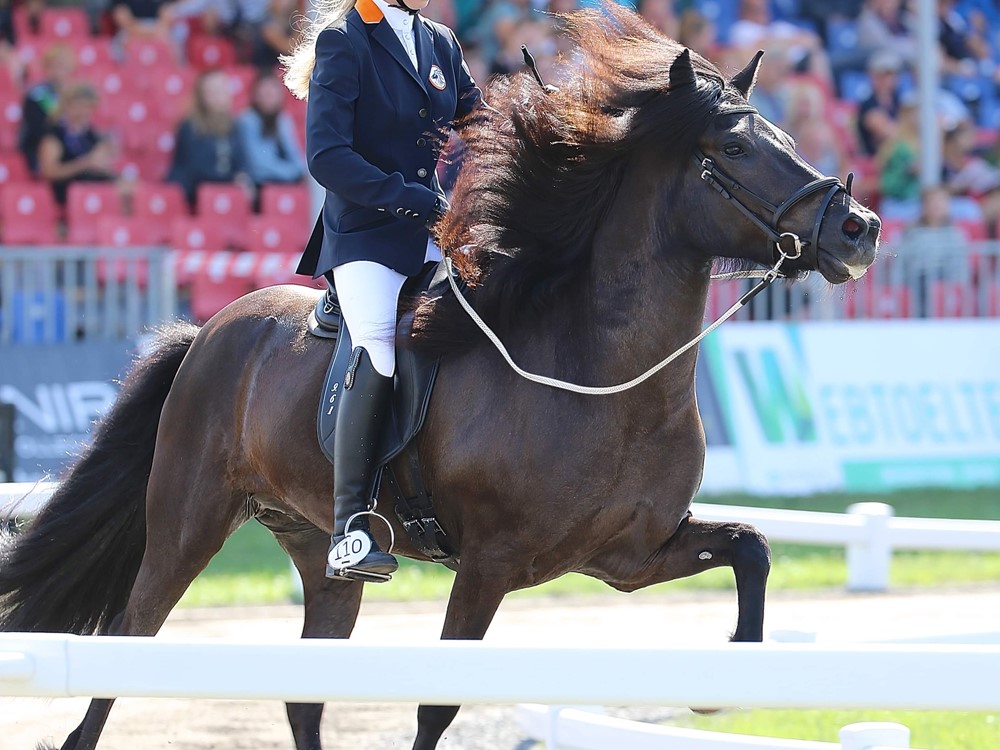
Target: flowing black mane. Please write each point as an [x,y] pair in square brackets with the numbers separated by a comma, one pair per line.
[542,169]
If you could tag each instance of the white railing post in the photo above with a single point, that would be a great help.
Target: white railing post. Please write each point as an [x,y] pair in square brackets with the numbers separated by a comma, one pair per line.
[874,734]
[868,559]
[552,728]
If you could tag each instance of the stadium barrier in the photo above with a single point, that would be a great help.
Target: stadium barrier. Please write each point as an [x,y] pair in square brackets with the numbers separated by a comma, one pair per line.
[868,531]
[63,294]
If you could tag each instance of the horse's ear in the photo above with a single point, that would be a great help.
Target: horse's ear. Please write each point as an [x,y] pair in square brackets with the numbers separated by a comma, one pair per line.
[746,78]
[681,69]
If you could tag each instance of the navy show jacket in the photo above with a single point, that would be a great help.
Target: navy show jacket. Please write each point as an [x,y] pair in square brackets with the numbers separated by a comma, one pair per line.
[374,129]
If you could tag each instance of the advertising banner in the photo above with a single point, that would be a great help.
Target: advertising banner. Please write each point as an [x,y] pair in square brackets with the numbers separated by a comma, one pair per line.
[57,391]
[856,406]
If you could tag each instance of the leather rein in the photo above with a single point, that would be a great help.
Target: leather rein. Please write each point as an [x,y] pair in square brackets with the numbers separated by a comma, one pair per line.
[786,246]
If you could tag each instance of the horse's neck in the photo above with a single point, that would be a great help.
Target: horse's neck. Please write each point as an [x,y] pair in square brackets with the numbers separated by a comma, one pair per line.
[645,299]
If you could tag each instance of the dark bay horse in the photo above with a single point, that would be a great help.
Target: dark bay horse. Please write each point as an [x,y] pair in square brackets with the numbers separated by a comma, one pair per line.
[587,230]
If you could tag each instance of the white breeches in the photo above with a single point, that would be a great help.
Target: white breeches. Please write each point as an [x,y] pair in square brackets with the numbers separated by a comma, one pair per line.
[369,294]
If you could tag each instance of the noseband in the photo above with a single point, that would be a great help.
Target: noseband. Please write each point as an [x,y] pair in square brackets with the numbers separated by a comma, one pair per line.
[785,244]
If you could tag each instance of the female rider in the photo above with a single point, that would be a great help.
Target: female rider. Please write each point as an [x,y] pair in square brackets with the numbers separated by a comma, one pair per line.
[383,84]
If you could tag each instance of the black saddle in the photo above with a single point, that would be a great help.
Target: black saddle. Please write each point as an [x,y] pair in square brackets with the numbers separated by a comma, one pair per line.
[414,383]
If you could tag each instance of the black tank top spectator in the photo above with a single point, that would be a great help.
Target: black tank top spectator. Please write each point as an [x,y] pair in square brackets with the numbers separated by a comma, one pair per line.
[71,149]
[276,34]
[207,147]
[879,113]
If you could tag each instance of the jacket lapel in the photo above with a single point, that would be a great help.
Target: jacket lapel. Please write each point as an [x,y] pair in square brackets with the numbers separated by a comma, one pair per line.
[425,50]
[384,35]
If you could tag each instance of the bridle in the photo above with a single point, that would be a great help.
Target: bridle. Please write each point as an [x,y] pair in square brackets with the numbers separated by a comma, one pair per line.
[787,245]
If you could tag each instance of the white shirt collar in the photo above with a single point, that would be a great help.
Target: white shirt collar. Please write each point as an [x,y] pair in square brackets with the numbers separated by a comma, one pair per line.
[398,18]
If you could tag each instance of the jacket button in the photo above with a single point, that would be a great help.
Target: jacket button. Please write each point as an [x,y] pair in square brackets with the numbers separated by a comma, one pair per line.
[423,112]
[399,211]
[421,172]
[421,142]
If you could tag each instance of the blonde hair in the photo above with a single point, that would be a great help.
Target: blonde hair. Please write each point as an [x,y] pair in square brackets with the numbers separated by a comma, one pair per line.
[300,62]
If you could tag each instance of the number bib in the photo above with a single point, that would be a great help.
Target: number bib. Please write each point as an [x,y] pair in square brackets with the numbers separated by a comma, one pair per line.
[350,550]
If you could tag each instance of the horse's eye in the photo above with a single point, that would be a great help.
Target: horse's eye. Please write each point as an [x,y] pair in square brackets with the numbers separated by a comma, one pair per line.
[733,150]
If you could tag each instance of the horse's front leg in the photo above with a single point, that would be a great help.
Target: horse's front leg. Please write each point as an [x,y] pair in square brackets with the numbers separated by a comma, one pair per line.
[472,604]
[700,545]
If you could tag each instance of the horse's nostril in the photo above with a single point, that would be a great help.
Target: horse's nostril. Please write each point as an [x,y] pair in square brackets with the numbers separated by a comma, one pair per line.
[854,226]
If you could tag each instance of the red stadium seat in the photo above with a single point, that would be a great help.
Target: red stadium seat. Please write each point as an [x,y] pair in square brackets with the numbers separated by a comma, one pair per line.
[149,52]
[158,204]
[122,231]
[267,234]
[28,214]
[170,93]
[69,25]
[287,202]
[192,233]
[13,168]
[226,205]
[87,203]
[209,52]
[241,78]
[952,299]
[92,52]
[209,294]
[972,229]
[10,119]
[279,268]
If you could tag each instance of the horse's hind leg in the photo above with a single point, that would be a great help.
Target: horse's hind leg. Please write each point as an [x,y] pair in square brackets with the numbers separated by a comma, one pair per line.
[474,601]
[331,607]
[188,518]
[699,545]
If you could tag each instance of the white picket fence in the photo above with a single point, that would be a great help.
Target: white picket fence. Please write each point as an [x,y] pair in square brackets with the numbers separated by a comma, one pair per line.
[868,531]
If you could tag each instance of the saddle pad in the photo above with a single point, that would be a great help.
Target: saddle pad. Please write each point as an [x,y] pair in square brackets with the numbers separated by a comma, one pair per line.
[414,382]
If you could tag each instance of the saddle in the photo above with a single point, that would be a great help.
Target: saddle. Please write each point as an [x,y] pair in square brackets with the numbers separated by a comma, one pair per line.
[414,383]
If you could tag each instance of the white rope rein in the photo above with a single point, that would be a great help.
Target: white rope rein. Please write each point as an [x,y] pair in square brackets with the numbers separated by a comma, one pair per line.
[609,389]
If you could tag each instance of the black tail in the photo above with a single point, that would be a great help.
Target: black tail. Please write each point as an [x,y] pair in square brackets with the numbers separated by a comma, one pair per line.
[71,570]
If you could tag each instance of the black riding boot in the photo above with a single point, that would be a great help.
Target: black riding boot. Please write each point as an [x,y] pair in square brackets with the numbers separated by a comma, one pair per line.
[364,403]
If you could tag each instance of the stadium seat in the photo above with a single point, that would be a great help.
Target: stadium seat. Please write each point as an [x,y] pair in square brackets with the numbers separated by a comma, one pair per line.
[951,299]
[12,168]
[268,234]
[158,204]
[123,231]
[287,202]
[93,51]
[241,78]
[23,29]
[69,25]
[209,293]
[149,52]
[136,119]
[87,203]
[28,214]
[226,205]
[279,268]
[170,93]
[10,119]
[192,233]
[209,52]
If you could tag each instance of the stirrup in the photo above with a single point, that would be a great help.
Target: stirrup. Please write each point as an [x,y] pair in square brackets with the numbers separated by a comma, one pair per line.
[361,546]
[352,574]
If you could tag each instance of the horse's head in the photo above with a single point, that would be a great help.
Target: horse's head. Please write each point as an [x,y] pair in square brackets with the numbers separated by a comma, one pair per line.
[765,201]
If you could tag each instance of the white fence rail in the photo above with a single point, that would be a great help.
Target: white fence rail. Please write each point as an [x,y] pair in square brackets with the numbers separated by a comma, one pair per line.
[947,677]
[868,531]
[572,729]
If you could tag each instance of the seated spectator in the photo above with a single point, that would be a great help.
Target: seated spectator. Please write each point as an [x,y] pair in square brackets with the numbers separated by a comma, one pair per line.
[207,147]
[497,28]
[71,149]
[267,135]
[973,182]
[41,100]
[661,16]
[965,48]
[756,29]
[276,35]
[696,31]
[886,26]
[878,114]
[898,160]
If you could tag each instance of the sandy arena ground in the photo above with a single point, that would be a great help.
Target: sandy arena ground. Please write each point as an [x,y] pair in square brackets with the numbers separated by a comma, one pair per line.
[141,724]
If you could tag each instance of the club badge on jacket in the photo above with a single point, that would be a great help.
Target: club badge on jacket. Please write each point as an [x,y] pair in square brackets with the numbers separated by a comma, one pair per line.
[436,78]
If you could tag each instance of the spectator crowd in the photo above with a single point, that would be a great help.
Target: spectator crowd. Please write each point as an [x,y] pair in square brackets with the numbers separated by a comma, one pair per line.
[187,94]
